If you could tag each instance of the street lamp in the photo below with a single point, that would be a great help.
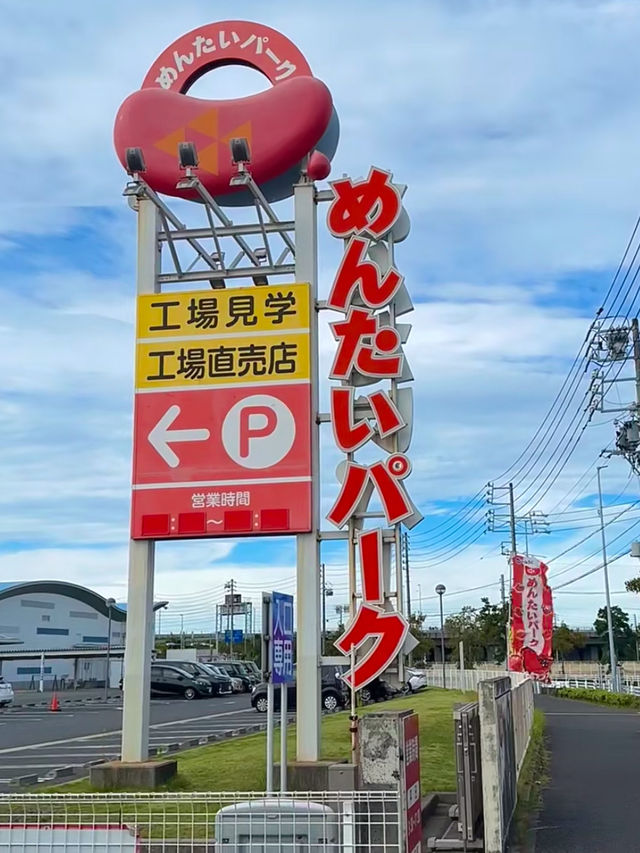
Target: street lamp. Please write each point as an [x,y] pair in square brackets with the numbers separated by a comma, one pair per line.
[110,603]
[441,589]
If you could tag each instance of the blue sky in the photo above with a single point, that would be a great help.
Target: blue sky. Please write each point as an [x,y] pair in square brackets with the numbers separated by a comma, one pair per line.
[515,126]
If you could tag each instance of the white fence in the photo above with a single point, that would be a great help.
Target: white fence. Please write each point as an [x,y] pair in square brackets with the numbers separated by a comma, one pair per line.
[331,822]
[627,686]
[468,679]
[522,709]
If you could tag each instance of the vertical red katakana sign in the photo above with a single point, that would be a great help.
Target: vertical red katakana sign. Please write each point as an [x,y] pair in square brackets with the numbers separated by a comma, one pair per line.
[531,618]
[368,291]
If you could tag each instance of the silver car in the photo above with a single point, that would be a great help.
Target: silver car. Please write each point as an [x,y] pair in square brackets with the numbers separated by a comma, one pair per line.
[6,693]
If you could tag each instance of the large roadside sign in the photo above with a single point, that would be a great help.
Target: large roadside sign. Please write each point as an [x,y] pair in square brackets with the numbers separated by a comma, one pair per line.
[222,417]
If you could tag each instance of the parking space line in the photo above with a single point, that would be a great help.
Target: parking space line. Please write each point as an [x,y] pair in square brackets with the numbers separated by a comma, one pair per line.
[117,732]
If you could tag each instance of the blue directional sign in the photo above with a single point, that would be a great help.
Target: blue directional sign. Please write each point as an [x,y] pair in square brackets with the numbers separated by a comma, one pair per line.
[281,638]
[238,636]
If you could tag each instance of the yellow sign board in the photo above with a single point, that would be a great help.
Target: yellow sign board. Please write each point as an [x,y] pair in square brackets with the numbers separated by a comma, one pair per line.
[196,362]
[224,313]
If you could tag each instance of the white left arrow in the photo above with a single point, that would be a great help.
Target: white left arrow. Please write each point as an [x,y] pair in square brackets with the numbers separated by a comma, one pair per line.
[161,436]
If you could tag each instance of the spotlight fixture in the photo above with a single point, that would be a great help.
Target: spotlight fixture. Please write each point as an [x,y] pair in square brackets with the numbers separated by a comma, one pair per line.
[187,155]
[135,160]
[240,152]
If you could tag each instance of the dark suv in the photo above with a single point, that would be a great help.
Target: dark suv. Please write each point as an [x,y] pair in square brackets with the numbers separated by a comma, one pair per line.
[237,669]
[334,694]
[169,678]
[221,681]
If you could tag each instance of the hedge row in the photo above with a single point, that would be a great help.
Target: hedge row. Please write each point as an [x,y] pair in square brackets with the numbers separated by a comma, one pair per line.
[603,697]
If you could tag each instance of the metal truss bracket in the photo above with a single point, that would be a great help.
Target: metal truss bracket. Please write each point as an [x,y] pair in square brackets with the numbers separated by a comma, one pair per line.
[220,249]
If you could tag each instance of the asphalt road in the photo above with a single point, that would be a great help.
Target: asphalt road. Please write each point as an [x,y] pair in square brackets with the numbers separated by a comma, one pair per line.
[591,802]
[37,742]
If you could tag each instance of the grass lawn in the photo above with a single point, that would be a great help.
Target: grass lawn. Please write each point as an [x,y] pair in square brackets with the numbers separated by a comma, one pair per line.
[239,764]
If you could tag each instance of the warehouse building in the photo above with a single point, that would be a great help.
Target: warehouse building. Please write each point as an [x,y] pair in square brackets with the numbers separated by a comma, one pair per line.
[60,631]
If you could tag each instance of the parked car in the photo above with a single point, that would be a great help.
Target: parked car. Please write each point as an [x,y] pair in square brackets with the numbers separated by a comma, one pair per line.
[6,693]
[237,669]
[253,668]
[172,678]
[334,694]
[416,680]
[377,690]
[220,682]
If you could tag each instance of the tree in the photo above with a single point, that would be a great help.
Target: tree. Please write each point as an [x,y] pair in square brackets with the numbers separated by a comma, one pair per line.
[463,627]
[566,640]
[633,585]
[425,644]
[624,639]
[491,622]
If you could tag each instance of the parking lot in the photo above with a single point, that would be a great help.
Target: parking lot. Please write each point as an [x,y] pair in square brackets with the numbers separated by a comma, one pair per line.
[38,745]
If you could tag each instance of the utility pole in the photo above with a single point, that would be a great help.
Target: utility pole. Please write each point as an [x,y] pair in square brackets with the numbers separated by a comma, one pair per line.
[635,337]
[231,586]
[618,344]
[405,543]
[612,649]
[514,551]
[502,594]
[512,521]
[635,624]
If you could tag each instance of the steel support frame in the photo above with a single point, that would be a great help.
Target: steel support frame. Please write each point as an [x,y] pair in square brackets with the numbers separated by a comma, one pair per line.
[258,260]
[308,592]
[158,226]
[140,633]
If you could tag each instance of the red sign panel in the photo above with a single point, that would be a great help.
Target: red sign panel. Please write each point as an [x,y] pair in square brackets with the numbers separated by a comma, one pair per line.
[531,618]
[221,441]
[411,784]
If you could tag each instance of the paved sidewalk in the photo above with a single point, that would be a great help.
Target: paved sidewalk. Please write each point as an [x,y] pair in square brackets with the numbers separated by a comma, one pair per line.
[33,697]
[592,800]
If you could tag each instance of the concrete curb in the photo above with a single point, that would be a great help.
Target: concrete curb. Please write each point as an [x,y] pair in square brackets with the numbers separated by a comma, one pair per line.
[63,701]
[20,781]
[62,772]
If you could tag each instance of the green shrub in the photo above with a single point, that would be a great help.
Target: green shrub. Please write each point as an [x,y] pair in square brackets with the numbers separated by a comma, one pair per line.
[603,697]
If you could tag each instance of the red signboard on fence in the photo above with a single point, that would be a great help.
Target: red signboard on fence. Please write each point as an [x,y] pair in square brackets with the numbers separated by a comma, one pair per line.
[531,617]
[411,784]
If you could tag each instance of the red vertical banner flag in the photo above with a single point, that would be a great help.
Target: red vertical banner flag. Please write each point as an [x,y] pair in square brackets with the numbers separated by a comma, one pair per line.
[530,647]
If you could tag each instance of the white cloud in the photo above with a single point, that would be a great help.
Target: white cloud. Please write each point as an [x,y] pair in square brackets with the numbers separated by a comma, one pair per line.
[514,126]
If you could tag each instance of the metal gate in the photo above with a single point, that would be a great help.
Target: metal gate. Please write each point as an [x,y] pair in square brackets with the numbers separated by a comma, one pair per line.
[468,770]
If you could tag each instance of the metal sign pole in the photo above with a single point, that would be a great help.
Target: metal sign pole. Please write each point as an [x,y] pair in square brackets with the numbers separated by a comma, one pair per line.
[308,544]
[139,637]
[266,663]
[283,736]
[270,728]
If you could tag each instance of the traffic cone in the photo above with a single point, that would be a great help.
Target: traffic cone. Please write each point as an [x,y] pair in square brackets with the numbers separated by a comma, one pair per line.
[55,705]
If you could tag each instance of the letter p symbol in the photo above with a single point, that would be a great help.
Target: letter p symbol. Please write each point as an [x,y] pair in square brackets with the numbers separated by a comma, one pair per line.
[258,431]
[255,422]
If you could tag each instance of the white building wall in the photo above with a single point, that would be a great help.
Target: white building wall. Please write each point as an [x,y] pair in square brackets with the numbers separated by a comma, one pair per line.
[48,621]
